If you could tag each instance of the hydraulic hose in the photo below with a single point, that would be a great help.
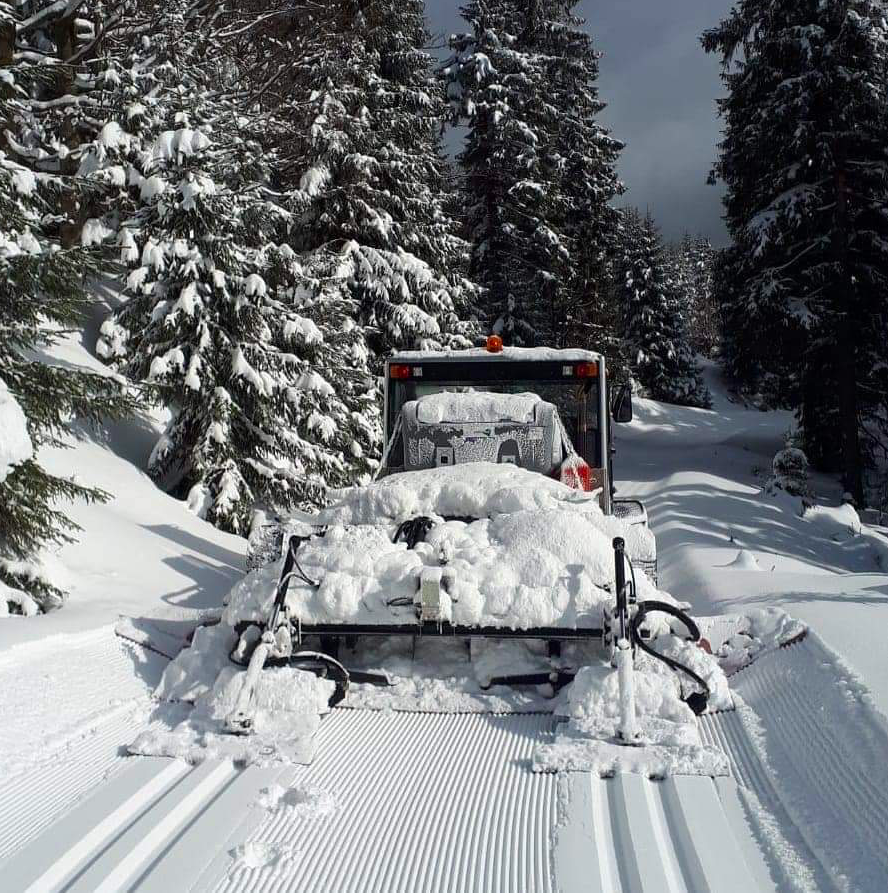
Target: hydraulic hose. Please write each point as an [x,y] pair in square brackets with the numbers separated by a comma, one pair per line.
[697,700]
[414,530]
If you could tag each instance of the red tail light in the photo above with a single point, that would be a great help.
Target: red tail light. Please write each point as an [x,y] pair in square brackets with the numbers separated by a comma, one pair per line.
[576,474]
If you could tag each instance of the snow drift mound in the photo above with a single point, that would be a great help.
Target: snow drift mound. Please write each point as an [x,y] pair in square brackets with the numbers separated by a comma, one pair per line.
[539,553]
[15,444]
[288,707]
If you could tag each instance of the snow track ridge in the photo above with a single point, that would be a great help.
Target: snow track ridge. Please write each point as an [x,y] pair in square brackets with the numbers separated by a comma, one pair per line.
[96,710]
[631,834]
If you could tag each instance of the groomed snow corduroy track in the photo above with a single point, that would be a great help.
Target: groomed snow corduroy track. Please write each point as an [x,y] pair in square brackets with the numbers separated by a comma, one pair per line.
[807,742]
[424,802]
[65,725]
[447,802]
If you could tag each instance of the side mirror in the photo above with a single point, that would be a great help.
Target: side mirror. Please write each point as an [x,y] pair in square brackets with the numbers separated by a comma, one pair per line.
[621,407]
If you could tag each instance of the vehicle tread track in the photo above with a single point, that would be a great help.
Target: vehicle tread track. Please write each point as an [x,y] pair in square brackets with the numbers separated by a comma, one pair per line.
[631,834]
[428,803]
[782,741]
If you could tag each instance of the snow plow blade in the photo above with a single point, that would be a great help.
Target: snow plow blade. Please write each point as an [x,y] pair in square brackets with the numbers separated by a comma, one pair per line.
[444,630]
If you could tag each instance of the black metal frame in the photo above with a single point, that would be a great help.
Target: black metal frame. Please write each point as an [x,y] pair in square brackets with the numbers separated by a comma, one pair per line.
[432,629]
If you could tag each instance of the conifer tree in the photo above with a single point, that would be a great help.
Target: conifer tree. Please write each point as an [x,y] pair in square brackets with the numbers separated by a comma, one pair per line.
[705,323]
[691,261]
[655,329]
[359,135]
[586,158]
[497,82]
[270,388]
[804,281]
[42,296]
[58,79]
[538,168]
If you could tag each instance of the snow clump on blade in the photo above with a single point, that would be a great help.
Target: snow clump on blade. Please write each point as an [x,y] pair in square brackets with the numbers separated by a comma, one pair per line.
[288,706]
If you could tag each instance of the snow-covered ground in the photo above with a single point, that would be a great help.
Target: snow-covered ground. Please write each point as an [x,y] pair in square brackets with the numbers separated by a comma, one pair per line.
[74,695]
[726,546]
[142,554]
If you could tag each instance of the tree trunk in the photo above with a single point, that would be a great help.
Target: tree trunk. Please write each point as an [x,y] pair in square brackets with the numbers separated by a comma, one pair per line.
[7,42]
[852,470]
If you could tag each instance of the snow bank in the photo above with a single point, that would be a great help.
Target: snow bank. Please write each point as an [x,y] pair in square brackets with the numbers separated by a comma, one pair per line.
[15,444]
[838,522]
[472,406]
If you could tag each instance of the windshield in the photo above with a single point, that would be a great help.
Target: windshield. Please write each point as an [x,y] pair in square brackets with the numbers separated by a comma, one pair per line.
[575,400]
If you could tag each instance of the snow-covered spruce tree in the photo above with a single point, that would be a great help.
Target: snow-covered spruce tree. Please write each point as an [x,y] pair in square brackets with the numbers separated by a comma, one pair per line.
[705,324]
[655,328]
[41,297]
[133,92]
[218,329]
[59,53]
[804,282]
[358,137]
[692,261]
[498,83]
[586,157]
[539,170]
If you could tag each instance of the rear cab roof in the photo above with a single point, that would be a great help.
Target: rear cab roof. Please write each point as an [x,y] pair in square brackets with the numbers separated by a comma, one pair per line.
[507,354]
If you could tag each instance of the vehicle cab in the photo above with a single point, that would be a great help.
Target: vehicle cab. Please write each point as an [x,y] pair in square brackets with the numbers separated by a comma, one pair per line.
[572,381]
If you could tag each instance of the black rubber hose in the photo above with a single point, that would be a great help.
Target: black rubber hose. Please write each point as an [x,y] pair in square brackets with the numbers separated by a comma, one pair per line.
[697,700]
[413,530]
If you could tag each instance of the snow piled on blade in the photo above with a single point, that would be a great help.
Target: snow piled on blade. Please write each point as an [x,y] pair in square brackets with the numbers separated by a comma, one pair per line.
[670,741]
[539,555]
[287,703]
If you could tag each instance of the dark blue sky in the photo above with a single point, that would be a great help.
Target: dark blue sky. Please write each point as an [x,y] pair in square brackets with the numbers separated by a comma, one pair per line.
[660,88]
